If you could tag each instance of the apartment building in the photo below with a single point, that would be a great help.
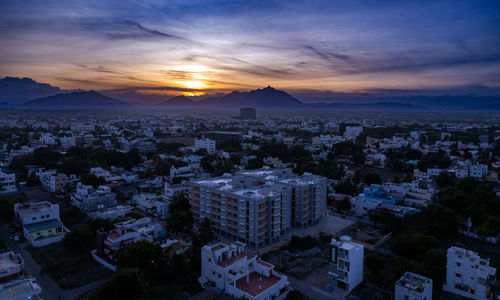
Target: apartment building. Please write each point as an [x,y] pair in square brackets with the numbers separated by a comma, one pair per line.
[346,264]
[88,199]
[257,215]
[204,143]
[308,192]
[478,171]
[468,275]
[248,113]
[7,182]
[227,267]
[53,181]
[40,222]
[412,286]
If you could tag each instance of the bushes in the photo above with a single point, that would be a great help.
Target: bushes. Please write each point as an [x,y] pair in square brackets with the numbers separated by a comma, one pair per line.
[79,238]
[414,246]
[298,243]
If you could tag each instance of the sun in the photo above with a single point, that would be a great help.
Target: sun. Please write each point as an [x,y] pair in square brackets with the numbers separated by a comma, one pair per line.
[192,84]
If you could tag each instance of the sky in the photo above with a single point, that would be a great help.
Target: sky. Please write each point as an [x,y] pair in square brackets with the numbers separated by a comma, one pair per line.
[314,49]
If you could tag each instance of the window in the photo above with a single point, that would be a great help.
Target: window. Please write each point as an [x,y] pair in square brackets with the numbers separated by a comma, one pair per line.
[34,218]
[406,297]
[459,264]
[458,275]
[47,216]
[472,291]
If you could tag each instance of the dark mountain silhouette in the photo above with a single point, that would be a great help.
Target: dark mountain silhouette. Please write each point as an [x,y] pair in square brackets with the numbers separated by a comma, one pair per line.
[77,100]
[15,90]
[178,101]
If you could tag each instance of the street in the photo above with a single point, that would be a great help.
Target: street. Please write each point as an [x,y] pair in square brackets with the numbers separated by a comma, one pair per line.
[50,289]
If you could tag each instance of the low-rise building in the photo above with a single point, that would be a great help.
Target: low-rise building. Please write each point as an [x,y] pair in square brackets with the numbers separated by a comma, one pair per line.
[88,199]
[468,275]
[7,182]
[478,171]
[228,268]
[206,144]
[346,264]
[40,222]
[413,286]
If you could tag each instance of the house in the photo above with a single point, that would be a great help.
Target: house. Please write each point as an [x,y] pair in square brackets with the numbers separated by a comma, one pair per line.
[14,285]
[478,171]
[206,144]
[228,268]
[468,275]
[346,264]
[40,222]
[88,199]
[7,183]
[413,286]
[53,181]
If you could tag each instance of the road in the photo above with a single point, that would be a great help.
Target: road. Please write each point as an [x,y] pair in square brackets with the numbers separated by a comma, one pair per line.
[50,289]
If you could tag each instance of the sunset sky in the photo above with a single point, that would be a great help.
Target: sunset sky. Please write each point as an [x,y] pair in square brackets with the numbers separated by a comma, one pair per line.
[198,47]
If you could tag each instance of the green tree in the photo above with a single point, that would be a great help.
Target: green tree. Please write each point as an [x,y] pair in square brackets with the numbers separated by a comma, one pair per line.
[374,262]
[434,264]
[143,255]
[179,220]
[344,205]
[127,284]
[80,238]
[414,246]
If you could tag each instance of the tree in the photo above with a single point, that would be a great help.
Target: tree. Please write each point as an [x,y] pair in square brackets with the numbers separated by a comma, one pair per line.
[179,220]
[32,180]
[414,246]
[7,208]
[444,179]
[371,178]
[128,283]
[91,179]
[207,234]
[374,262]
[98,223]
[255,163]
[79,238]
[434,264]
[439,221]
[344,205]
[143,255]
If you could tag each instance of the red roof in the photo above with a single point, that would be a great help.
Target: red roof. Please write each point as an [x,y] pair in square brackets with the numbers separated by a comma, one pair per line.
[228,262]
[256,280]
[267,265]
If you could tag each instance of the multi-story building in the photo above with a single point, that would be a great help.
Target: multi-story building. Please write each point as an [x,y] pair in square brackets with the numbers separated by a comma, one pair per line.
[224,136]
[308,192]
[40,222]
[255,215]
[248,113]
[13,283]
[228,268]
[412,286]
[184,172]
[467,274]
[346,264]
[53,181]
[204,143]
[478,171]
[89,199]
[259,207]
[7,182]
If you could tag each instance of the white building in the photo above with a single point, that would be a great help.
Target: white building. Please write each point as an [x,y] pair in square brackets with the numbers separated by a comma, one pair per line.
[88,199]
[53,181]
[13,283]
[467,274]
[40,222]
[478,171]
[346,264]
[228,268]
[186,172]
[7,182]
[206,144]
[412,286]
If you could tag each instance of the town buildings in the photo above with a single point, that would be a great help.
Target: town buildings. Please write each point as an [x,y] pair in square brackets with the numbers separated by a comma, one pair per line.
[227,267]
[248,113]
[206,144]
[413,286]
[468,275]
[88,199]
[40,222]
[7,182]
[14,285]
[346,264]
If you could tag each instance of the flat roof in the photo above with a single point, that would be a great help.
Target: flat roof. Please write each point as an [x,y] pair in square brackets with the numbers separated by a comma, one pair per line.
[257,283]
[47,224]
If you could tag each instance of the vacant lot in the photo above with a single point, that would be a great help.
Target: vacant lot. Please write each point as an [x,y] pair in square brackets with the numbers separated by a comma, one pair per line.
[70,269]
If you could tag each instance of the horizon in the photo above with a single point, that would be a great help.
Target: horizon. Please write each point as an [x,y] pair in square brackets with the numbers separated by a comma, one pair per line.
[315,51]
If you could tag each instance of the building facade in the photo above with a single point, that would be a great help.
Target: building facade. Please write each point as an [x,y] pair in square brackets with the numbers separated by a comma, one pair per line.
[413,286]
[346,264]
[88,199]
[228,268]
[248,113]
[467,274]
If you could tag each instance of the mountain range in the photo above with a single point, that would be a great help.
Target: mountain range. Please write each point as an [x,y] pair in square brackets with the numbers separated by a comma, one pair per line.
[25,93]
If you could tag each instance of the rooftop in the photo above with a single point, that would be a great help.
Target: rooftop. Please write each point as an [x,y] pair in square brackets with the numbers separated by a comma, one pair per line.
[257,283]
[47,224]
[414,282]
